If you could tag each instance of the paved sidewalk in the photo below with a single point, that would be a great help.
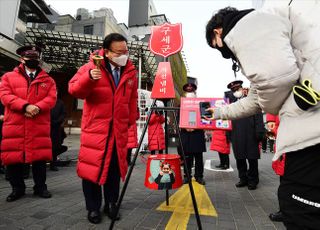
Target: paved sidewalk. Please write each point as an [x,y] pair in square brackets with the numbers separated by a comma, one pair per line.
[237,208]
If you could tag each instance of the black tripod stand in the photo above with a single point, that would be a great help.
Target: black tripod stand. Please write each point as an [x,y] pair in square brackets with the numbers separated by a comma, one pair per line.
[174,110]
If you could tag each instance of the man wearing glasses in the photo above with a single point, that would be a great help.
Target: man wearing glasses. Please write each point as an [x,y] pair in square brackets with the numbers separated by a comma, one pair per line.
[109,90]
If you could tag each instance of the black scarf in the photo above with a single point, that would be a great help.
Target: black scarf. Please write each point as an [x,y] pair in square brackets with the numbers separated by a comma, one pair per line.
[229,21]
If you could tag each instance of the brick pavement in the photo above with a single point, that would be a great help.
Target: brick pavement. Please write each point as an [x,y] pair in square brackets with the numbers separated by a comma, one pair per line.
[237,208]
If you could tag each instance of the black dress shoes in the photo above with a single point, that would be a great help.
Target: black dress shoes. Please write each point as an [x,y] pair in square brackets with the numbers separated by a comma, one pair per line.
[110,211]
[276,216]
[241,183]
[94,217]
[44,194]
[201,181]
[224,167]
[252,186]
[15,195]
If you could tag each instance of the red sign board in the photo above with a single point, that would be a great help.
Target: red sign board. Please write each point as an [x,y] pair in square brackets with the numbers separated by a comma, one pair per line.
[192,108]
[166,39]
[163,87]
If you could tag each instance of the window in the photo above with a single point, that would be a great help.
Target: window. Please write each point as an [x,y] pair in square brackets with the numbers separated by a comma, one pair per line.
[88,29]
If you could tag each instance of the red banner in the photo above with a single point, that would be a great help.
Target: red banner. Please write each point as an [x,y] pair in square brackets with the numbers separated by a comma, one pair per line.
[163,87]
[166,39]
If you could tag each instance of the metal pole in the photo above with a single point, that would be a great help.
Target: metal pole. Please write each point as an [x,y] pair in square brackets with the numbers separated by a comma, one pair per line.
[139,78]
[166,137]
[194,201]
[125,185]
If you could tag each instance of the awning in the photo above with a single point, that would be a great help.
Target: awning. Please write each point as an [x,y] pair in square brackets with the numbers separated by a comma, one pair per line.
[71,50]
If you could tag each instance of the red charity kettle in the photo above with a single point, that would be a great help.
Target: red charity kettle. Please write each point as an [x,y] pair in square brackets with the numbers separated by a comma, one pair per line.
[163,172]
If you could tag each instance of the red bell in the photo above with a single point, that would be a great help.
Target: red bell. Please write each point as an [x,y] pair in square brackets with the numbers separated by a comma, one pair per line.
[163,172]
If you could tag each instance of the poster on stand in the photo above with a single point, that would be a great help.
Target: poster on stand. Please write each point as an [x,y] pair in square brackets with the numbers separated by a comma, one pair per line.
[193,110]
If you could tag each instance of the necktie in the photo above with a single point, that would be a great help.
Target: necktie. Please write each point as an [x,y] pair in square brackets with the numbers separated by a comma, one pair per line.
[31,75]
[115,74]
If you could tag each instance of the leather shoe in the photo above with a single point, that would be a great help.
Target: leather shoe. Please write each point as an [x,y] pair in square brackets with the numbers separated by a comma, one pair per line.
[252,186]
[201,181]
[94,217]
[44,194]
[111,211]
[224,167]
[15,195]
[241,183]
[276,216]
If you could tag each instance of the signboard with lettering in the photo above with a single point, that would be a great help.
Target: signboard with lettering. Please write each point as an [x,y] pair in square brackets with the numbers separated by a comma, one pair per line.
[193,111]
[163,87]
[166,39]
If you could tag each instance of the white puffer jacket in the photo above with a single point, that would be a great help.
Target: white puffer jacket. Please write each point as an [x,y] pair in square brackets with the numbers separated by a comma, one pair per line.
[277,48]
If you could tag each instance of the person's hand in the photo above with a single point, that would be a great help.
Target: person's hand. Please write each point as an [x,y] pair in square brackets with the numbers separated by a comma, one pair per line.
[28,115]
[170,171]
[190,130]
[32,110]
[211,110]
[95,74]
[1,117]
[271,125]
[161,173]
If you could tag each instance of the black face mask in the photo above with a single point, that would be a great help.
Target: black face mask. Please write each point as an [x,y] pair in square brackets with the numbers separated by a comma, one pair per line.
[225,51]
[32,63]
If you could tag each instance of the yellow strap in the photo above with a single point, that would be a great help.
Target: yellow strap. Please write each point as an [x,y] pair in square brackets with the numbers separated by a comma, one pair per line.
[307,87]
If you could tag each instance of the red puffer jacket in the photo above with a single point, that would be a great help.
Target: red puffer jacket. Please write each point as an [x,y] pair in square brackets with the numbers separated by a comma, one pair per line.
[26,140]
[133,134]
[156,139]
[107,114]
[278,165]
[219,142]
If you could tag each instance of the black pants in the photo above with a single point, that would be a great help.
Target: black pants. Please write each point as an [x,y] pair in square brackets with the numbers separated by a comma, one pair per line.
[299,190]
[198,158]
[92,191]
[224,159]
[15,175]
[250,175]
[154,152]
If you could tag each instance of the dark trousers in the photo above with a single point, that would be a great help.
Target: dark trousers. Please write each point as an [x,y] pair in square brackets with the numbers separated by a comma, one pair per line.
[154,152]
[129,153]
[92,191]
[224,159]
[250,175]
[198,158]
[299,190]
[15,175]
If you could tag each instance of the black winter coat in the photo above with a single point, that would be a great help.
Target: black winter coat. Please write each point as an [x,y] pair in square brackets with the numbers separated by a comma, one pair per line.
[57,118]
[246,135]
[193,142]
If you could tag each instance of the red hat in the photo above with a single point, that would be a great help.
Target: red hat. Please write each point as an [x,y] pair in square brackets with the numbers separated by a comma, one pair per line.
[235,85]
[189,87]
[29,51]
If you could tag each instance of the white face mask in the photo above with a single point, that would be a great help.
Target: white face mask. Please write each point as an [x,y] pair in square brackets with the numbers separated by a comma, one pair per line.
[121,60]
[192,95]
[238,94]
